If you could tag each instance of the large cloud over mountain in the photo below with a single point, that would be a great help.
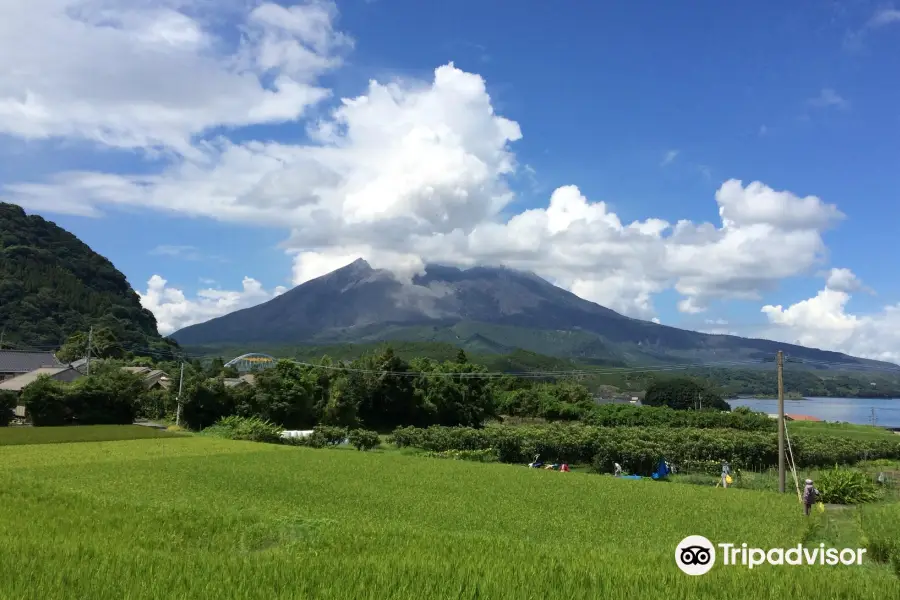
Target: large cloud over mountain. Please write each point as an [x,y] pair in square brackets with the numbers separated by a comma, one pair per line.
[408,172]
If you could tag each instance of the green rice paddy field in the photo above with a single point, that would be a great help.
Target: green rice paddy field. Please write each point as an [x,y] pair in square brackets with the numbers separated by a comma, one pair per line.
[195,517]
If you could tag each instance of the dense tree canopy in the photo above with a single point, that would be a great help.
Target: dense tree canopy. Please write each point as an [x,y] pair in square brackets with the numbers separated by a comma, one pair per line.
[52,286]
[685,393]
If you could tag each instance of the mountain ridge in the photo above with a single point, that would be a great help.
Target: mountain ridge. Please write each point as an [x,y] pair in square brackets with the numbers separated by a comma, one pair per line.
[53,285]
[495,306]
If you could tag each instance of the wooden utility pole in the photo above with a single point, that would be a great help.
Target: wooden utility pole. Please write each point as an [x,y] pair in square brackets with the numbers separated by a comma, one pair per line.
[90,342]
[178,400]
[2,334]
[780,362]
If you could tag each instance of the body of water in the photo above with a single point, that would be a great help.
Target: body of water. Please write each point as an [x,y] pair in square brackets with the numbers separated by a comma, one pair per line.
[850,410]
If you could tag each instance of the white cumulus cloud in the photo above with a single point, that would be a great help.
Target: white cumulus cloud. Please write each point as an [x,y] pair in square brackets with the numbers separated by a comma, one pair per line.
[824,322]
[173,310]
[405,173]
[151,75]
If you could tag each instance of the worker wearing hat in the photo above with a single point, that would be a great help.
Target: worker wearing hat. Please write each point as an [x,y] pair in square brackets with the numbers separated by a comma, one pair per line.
[810,495]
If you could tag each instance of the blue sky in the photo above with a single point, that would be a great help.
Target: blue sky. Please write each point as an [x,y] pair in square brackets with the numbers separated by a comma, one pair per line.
[164,141]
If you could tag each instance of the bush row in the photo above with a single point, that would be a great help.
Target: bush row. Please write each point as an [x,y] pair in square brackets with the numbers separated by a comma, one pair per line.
[639,449]
[627,415]
[254,429]
[109,397]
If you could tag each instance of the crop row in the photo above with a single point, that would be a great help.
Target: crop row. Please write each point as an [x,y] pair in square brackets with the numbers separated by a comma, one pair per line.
[640,448]
[627,415]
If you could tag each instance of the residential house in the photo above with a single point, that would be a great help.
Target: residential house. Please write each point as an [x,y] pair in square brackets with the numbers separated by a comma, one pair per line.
[247,379]
[153,378]
[18,362]
[794,417]
[16,384]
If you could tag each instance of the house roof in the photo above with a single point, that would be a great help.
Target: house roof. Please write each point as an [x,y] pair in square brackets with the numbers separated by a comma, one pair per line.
[233,381]
[794,417]
[20,381]
[146,372]
[20,361]
[137,370]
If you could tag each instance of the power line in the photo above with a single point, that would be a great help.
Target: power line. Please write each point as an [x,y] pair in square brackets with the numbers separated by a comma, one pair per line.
[489,374]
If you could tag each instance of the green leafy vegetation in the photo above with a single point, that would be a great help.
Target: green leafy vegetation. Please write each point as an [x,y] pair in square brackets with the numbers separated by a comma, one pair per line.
[52,286]
[619,415]
[251,429]
[847,486]
[614,379]
[840,430]
[18,436]
[363,439]
[8,401]
[641,448]
[881,526]
[109,397]
[240,520]
[684,393]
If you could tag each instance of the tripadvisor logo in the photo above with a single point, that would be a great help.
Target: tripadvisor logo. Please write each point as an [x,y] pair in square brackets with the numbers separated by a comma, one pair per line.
[696,555]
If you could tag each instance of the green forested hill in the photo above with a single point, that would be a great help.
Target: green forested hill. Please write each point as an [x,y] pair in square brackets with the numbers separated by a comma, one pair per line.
[52,285]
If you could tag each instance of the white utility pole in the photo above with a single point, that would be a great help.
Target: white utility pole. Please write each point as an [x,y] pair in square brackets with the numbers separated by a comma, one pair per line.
[90,342]
[178,401]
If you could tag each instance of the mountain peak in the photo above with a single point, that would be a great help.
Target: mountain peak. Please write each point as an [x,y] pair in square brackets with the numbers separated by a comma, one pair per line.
[360,303]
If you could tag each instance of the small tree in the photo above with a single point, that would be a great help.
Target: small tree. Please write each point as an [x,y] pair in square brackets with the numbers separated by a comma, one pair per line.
[204,402]
[332,436]
[363,439]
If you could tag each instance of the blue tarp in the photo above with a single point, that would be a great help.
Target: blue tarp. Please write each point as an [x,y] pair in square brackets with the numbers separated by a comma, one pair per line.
[662,469]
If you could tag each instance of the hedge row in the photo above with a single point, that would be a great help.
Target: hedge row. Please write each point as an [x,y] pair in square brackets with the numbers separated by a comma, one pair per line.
[639,449]
[627,415]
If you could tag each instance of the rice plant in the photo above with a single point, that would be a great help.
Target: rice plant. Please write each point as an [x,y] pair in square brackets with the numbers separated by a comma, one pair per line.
[203,517]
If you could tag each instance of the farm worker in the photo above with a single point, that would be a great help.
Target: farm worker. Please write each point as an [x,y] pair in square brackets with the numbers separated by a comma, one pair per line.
[564,468]
[617,470]
[810,495]
[726,471]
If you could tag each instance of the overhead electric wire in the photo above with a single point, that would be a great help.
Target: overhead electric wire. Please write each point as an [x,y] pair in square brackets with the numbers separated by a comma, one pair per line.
[176,355]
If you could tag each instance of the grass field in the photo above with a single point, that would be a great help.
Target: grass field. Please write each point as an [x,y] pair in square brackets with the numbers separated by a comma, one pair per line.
[196,517]
[842,430]
[15,436]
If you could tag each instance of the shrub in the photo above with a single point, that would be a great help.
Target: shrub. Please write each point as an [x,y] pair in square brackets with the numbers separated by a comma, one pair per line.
[847,486]
[627,415]
[251,429]
[156,404]
[640,448]
[8,401]
[110,397]
[363,439]
[46,401]
[330,436]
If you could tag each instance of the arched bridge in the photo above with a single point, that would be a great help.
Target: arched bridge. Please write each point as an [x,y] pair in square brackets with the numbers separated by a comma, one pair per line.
[253,361]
